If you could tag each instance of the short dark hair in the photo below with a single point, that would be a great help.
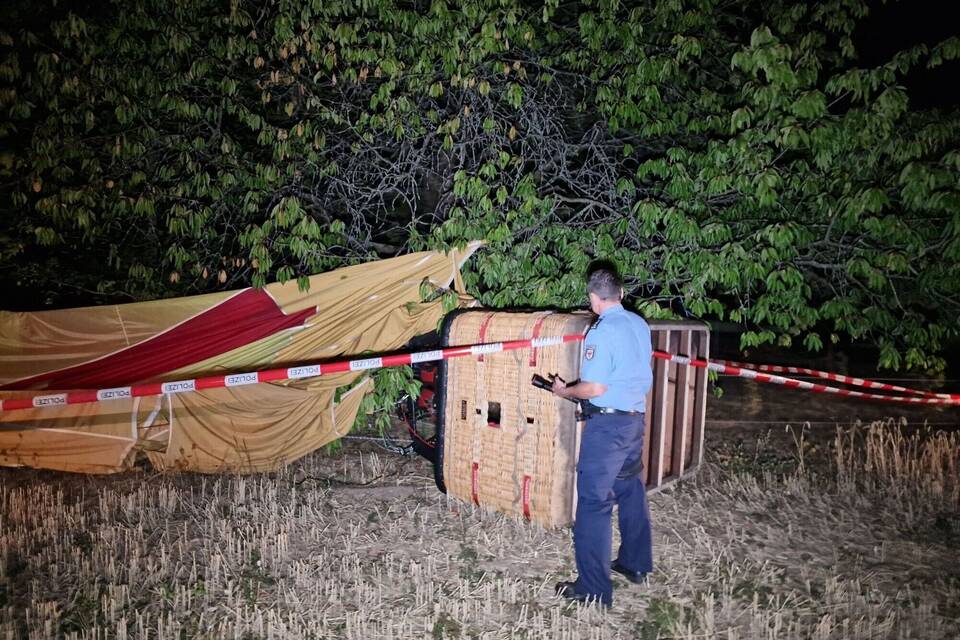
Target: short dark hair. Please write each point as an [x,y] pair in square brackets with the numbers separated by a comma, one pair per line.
[605,283]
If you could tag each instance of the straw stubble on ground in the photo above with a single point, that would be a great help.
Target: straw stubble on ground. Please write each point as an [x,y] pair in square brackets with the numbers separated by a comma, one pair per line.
[834,540]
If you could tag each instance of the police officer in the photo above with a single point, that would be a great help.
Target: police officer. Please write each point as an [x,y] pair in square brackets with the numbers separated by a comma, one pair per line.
[615,377]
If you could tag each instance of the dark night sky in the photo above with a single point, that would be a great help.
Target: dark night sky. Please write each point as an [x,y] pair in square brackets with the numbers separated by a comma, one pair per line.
[894,26]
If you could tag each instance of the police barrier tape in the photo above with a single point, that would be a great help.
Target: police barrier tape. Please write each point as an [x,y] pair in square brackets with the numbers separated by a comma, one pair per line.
[276,375]
[342,366]
[838,377]
[745,371]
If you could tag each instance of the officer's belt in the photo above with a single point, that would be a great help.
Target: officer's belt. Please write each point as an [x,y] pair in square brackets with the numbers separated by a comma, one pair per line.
[588,409]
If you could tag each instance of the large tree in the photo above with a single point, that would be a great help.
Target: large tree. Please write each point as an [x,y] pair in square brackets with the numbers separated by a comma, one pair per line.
[731,157]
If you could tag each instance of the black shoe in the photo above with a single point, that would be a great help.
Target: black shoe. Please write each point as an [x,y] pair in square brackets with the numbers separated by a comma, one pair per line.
[636,577]
[567,590]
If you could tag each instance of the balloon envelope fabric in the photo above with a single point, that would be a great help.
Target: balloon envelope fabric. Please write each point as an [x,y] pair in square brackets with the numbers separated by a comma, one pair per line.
[367,307]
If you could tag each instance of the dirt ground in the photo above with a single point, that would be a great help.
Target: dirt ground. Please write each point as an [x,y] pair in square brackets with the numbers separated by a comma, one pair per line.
[781,534]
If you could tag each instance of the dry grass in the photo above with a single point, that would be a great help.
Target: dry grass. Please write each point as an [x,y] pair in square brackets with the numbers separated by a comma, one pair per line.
[851,539]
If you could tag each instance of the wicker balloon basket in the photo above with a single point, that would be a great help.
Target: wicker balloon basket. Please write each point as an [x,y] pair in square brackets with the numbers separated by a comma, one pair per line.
[512,447]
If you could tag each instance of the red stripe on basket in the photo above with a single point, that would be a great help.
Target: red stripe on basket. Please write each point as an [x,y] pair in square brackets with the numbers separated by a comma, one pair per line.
[525,496]
[536,334]
[482,336]
[475,483]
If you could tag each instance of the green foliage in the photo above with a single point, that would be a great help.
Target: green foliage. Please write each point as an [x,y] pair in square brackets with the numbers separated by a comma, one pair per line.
[389,385]
[734,160]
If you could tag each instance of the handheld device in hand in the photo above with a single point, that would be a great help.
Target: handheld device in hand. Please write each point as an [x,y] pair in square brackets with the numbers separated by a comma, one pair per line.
[542,383]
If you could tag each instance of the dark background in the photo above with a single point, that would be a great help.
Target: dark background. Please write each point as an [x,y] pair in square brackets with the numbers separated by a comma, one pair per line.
[894,26]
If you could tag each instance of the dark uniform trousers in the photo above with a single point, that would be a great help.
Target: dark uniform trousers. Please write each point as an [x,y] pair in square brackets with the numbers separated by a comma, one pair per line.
[609,471]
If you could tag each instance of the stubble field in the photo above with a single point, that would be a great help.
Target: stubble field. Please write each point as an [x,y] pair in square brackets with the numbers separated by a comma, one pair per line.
[801,533]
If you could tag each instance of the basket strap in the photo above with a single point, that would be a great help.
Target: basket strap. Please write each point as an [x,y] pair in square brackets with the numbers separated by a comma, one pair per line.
[528,436]
[479,398]
[475,483]
[482,335]
[525,495]
[536,334]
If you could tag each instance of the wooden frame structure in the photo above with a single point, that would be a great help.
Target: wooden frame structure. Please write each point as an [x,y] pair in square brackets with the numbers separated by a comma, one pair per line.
[677,404]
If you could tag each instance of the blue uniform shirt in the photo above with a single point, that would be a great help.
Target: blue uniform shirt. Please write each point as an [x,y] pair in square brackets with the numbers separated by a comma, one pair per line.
[617,352]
